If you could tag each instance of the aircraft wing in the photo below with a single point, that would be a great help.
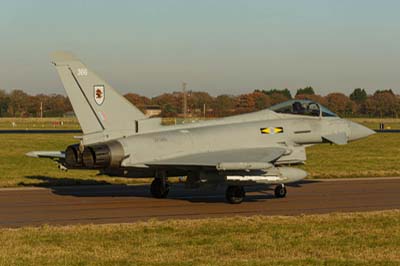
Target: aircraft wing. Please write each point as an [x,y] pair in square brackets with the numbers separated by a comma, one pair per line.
[47,154]
[215,158]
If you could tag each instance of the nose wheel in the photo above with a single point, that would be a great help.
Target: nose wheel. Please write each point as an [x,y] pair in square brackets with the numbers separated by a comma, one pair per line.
[235,194]
[280,191]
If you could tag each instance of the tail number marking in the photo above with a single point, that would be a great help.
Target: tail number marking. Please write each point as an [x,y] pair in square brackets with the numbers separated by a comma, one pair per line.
[82,72]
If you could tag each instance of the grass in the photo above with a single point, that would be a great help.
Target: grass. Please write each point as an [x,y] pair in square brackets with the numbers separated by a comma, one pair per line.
[334,239]
[18,170]
[39,123]
[390,123]
[374,156]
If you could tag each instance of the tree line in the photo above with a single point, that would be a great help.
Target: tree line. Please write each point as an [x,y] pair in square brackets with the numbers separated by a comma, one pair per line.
[382,103]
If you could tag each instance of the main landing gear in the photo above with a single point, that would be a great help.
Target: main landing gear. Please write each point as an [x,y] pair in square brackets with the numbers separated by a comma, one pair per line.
[159,188]
[235,194]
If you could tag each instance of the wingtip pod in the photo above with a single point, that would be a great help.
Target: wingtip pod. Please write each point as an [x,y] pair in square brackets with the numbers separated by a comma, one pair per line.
[58,57]
[32,154]
[46,154]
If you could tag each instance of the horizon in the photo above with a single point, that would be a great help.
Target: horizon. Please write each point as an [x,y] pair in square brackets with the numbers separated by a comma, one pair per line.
[369,92]
[219,47]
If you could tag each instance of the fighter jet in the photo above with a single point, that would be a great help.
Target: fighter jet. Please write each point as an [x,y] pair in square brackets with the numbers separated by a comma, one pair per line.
[237,151]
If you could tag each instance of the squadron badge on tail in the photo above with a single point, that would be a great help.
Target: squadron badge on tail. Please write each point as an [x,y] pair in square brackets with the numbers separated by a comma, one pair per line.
[99,94]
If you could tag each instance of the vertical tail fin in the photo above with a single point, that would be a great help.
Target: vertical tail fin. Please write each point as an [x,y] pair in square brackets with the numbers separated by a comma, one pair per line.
[97,105]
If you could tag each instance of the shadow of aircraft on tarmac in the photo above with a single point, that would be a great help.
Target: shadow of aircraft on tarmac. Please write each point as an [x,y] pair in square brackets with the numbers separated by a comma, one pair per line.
[94,188]
[48,181]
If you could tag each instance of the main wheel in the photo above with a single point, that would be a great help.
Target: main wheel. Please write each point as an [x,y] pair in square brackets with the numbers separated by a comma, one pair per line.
[280,191]
[159,189]
[235,194]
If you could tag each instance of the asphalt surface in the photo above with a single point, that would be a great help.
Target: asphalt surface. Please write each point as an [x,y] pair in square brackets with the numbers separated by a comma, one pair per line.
[119,203]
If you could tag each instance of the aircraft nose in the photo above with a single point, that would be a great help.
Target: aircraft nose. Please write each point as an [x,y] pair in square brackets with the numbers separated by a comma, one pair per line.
[358,131]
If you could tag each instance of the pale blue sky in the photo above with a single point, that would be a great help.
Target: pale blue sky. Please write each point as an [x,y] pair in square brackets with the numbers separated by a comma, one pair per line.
[221,46]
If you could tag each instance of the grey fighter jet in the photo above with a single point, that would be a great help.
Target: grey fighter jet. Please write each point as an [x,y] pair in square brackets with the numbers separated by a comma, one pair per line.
[237,151]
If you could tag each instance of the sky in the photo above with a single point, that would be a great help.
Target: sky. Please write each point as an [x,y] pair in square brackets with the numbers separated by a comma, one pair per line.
[219,46]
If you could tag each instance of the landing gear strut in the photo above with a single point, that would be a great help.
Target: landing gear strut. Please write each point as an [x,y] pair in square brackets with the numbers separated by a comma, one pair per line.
[280,191]
[235,194]
[159,187]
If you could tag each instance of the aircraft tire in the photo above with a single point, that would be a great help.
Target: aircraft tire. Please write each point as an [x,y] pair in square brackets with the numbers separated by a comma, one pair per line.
[235,194]
[158,190]
[280,191]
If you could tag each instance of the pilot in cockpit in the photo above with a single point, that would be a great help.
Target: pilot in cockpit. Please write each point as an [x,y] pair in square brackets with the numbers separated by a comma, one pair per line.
[302,107]
[298,108]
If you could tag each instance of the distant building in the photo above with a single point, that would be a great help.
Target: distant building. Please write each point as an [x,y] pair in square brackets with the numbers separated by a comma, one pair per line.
[152,110]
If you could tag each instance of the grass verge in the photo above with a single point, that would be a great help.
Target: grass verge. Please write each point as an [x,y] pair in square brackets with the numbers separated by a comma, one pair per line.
[375,156]
[38,123]
[19,170]
[373,123]
[334,239]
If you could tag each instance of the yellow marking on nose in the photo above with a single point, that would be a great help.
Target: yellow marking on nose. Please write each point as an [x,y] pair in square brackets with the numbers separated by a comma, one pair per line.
[271,130]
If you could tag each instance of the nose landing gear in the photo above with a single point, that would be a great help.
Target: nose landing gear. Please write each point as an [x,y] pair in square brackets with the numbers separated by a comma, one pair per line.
[280,191]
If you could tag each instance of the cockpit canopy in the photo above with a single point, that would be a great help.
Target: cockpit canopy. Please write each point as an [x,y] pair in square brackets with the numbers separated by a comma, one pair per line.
[302,107]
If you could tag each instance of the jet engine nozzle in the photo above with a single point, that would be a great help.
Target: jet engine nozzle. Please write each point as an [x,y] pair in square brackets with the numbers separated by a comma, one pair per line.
[105,155]
[73,157]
